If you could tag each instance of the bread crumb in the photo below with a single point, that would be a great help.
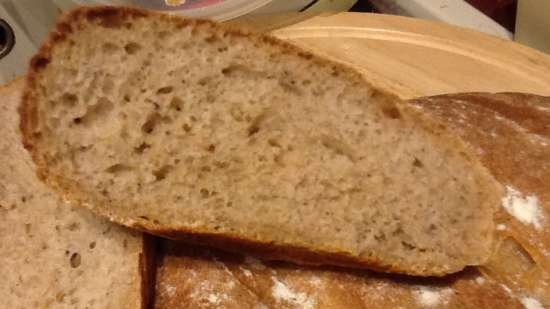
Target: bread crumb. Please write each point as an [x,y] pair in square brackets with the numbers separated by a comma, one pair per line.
[524,208]
[281,292]
[501,227]
[530,303]
[480,280]
[429,297]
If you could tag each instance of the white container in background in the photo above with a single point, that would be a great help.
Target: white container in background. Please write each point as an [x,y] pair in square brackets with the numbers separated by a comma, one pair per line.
[215,9]
[31,20]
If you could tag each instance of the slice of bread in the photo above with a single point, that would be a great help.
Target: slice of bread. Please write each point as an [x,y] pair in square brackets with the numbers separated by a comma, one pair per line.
[188,129]
[52,255]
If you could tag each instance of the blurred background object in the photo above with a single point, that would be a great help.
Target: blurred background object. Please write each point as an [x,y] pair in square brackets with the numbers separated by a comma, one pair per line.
[454,12]
[501,11]
[30,20]
[533,24]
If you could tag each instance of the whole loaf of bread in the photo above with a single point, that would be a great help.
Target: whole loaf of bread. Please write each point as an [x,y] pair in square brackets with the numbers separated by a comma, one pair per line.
[511,135]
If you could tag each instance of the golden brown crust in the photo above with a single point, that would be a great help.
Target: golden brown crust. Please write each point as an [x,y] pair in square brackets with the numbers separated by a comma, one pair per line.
[300,255]
[118,17]
[511,134]
[189,275]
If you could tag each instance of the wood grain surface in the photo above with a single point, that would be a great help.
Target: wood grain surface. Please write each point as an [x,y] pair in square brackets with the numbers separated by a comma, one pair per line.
[413,58]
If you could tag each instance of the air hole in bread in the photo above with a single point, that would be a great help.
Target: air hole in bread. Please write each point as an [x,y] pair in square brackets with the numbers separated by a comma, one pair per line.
[391,111]
[132,48]
[204,193]
[69,99]
[118,169]
[176,104]
[227,71]
[165,90]
[142,147]
[278,158]
[187,128]
[152,121]
[253,129]
[73,226]
[98,111]
[75,260]
[256,122]
[417,163]
[408,246]
[161,173]
[211,38]
[92,245]
[337,146]
[273,142]
[398,231]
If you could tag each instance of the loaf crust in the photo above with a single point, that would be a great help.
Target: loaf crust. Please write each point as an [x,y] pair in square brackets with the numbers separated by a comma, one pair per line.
[510,133]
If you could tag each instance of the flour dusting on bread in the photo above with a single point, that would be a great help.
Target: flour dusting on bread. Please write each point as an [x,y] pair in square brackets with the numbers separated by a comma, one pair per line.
[531,303]
[525,208]
[283,293]
[430,297]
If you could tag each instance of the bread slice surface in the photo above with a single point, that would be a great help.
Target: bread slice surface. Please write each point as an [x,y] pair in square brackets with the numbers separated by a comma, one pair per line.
[189,129]
[53,255]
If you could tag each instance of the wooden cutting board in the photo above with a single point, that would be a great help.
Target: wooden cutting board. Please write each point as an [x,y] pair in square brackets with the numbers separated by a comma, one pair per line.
[412,57]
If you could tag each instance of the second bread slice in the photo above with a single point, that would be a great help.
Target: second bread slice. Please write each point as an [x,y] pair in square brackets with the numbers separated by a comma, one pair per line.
[188,129]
